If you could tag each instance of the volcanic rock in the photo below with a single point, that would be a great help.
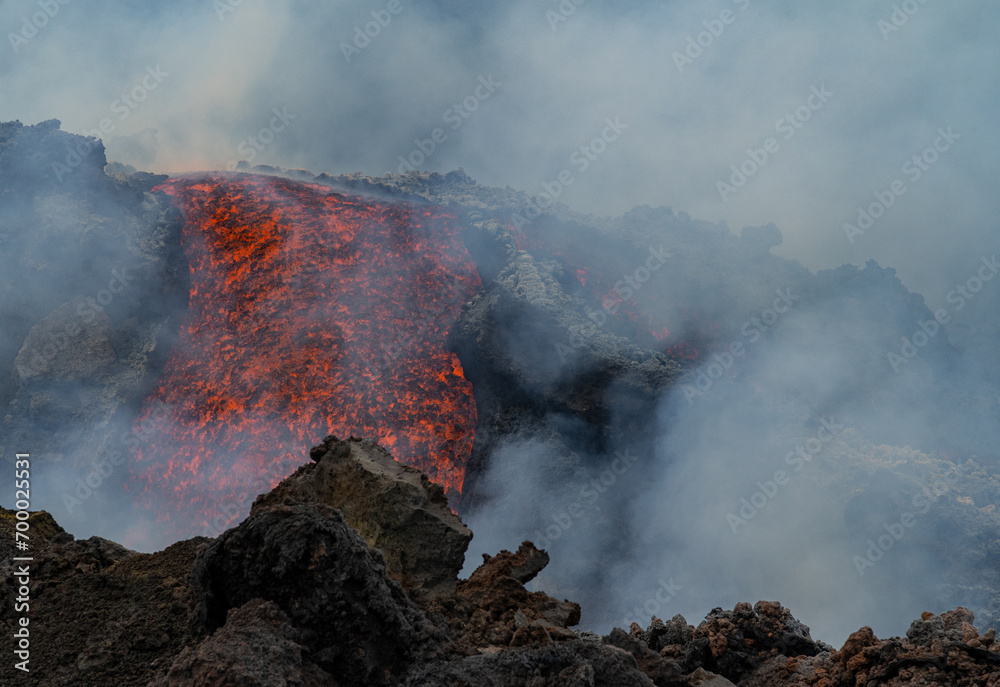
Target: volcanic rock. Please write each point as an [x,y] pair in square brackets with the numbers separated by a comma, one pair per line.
[357,624]
[394,507]
[92,278]
[731,643]
[99,613]
[938,649]
[294,596]
[570,664]
[499,611]
[766,646]
[257,647]
[91,358]
[519,346]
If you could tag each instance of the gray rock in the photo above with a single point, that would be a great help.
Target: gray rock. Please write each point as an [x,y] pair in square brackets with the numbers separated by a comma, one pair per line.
[394,507]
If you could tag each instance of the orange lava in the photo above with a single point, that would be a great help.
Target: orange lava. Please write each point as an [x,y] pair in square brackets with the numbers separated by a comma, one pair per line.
[311,313]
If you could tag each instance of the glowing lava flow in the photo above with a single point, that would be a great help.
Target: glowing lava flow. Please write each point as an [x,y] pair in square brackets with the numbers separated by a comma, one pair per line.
[310,313]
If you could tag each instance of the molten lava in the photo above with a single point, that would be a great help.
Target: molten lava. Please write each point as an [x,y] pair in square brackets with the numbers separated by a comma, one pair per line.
[310,313]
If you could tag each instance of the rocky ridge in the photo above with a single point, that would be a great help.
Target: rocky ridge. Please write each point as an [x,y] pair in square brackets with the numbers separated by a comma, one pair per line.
[295,595]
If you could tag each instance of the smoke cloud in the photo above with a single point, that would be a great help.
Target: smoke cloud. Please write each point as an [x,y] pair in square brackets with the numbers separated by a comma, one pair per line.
[694,102]
[863,131]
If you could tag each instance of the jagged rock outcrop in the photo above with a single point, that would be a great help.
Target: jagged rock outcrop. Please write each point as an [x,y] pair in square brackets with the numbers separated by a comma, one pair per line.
[937,649]
[731,643]
[492,608]
[99,613]
[257,647]
[92,281]
[765,646]
[357,623]
[394,507]
[295,596]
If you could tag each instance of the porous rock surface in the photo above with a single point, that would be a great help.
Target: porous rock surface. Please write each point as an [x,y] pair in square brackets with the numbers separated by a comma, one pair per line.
[394,507]
[294,596]
[356,622]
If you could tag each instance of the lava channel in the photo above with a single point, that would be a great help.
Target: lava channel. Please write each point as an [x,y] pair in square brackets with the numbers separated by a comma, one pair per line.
[310,313]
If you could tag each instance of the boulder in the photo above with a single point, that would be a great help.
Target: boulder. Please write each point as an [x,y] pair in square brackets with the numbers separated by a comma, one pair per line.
[395,508]
[357,623]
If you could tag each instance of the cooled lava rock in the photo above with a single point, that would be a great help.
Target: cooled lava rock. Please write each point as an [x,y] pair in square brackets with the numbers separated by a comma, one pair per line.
[295,596]
[257,647]
[394,507]
[357,623]
[100,614]
[520,345]
[92,283]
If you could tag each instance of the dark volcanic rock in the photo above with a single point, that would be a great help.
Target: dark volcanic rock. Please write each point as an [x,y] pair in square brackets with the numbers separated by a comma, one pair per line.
[41,156]
[91,359]
[766,646]
[572,664]
[533,373]
[943,649]
[357,623]
[503,612]
[100,614]
[295,597]
[92,281]
[734,643]
[394,507]
[257,647]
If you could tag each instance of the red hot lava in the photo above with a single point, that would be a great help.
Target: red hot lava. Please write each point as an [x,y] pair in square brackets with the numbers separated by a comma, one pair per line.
[310,313]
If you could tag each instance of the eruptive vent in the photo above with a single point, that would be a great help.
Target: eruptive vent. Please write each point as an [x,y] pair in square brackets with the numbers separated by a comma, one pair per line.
[310,313]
